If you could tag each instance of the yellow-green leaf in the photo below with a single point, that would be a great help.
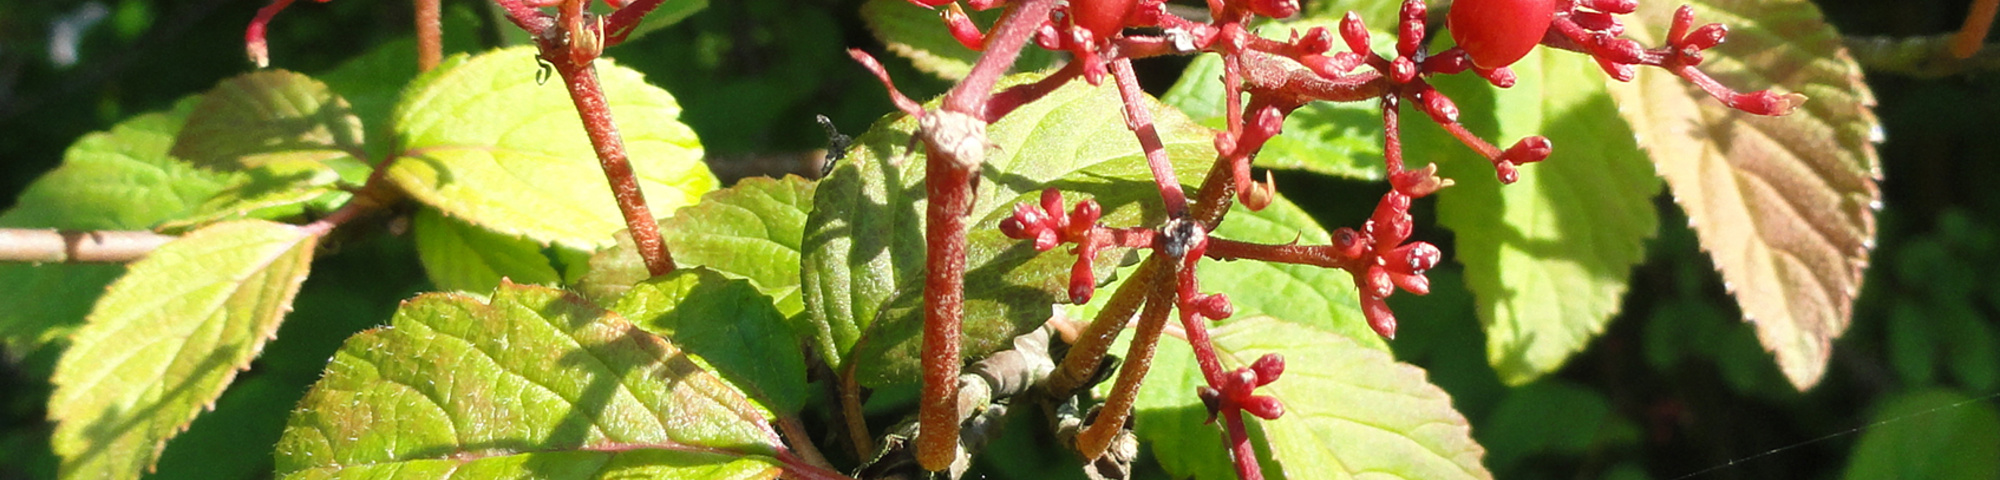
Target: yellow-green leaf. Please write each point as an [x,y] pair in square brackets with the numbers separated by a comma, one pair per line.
[167,338]
[463,257]
[1548,257]
[272,116]
[484,143]
[750,230]
[1351,411]
[1785,206]
[536,383]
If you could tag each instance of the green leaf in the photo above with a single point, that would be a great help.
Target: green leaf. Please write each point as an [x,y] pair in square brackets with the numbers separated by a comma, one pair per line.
[917,33]
[167,338]
[1350,410]
[485,144]
[1930,434]
[728,323]
[271,191]
[371,82]
[272,117]
[535,383]
[62,296]
[1784,205]
[1377,14]
[751,230]
[1548,257]
[1339,139]
[462,257]
[863,265]
[121,179]
[1548,417]
[666,14]
[644,463]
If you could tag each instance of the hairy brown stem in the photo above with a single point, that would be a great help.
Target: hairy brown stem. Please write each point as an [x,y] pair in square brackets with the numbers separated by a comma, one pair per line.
[1081,363]
[851,414]
[801,442]
[955,142]
[948,184]
[1138,360]
[430,35]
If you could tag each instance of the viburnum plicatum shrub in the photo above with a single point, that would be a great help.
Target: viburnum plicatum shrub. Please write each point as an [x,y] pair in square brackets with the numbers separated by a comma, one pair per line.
[989,247]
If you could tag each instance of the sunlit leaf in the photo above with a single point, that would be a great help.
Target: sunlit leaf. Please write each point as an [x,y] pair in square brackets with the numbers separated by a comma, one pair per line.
[918,34]
[270,191]
[161,345]
[484,143]
[537,383]
[1785,206]
[1350,411]
[1547,257]
[729,323]
[462,257]
[750,230]
[272,116]
[863,265]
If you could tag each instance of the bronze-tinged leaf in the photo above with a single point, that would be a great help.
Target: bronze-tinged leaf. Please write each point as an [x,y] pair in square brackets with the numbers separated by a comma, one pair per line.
[1785,206]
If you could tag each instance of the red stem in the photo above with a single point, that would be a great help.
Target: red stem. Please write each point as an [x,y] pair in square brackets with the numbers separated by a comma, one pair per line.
[1140,121]
[1973,34]
[430,35]
[588,96]
[948,185]
[1239,444]
[949,181]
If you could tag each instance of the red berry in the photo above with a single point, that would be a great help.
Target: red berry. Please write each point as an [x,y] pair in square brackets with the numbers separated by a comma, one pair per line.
[1498,32]
[1103,18]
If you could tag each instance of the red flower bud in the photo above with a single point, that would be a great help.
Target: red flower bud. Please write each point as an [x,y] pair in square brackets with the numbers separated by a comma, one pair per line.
[1379,316]
[1268,368]
[1354,33]
[1265,407]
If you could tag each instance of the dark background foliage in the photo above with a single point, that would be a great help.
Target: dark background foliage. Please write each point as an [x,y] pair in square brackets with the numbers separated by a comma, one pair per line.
[1675,387]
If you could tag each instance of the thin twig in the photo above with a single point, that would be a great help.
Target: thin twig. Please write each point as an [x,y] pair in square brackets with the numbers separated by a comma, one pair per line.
[77,246]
